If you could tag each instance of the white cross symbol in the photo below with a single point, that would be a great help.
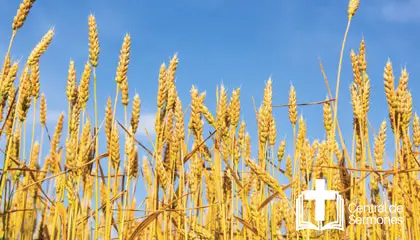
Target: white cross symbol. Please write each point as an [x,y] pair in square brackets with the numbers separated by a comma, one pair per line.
[320,195]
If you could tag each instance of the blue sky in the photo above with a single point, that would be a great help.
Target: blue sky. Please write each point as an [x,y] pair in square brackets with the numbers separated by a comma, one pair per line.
[238,43]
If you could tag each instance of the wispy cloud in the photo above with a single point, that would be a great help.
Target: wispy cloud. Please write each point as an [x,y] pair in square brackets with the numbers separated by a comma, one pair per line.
[401,11]
[147,123]
[52,116]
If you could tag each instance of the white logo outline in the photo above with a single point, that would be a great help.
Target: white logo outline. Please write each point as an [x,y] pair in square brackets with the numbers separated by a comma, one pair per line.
[320,195]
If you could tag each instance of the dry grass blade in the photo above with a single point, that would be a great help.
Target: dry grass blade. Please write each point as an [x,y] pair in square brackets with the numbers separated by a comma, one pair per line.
[305,104]
[233,174]
[22,169]
[137,141]
[267,200]
[9,112]
[17,162]
[61,173]
[247,225]
[360,181]
[113,199]
[17,210]
[190,154]
[272,196]
[142,225]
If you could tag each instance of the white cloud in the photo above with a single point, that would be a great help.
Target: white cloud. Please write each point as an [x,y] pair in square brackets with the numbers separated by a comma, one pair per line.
[401,11]
[52,116]
[147,122]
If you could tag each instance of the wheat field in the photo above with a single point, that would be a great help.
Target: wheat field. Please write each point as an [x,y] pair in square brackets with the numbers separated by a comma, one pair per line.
[198,185]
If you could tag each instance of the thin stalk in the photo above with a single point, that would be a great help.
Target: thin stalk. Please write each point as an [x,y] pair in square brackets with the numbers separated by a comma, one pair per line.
[108,205]
[54,222]
[97,204]
[40,146]
[69,110]
[33,124]
[75,209]
[7,158]
[12,38]
[337,86]
[336,95]
[69,227]
[26,192]
[125,198]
